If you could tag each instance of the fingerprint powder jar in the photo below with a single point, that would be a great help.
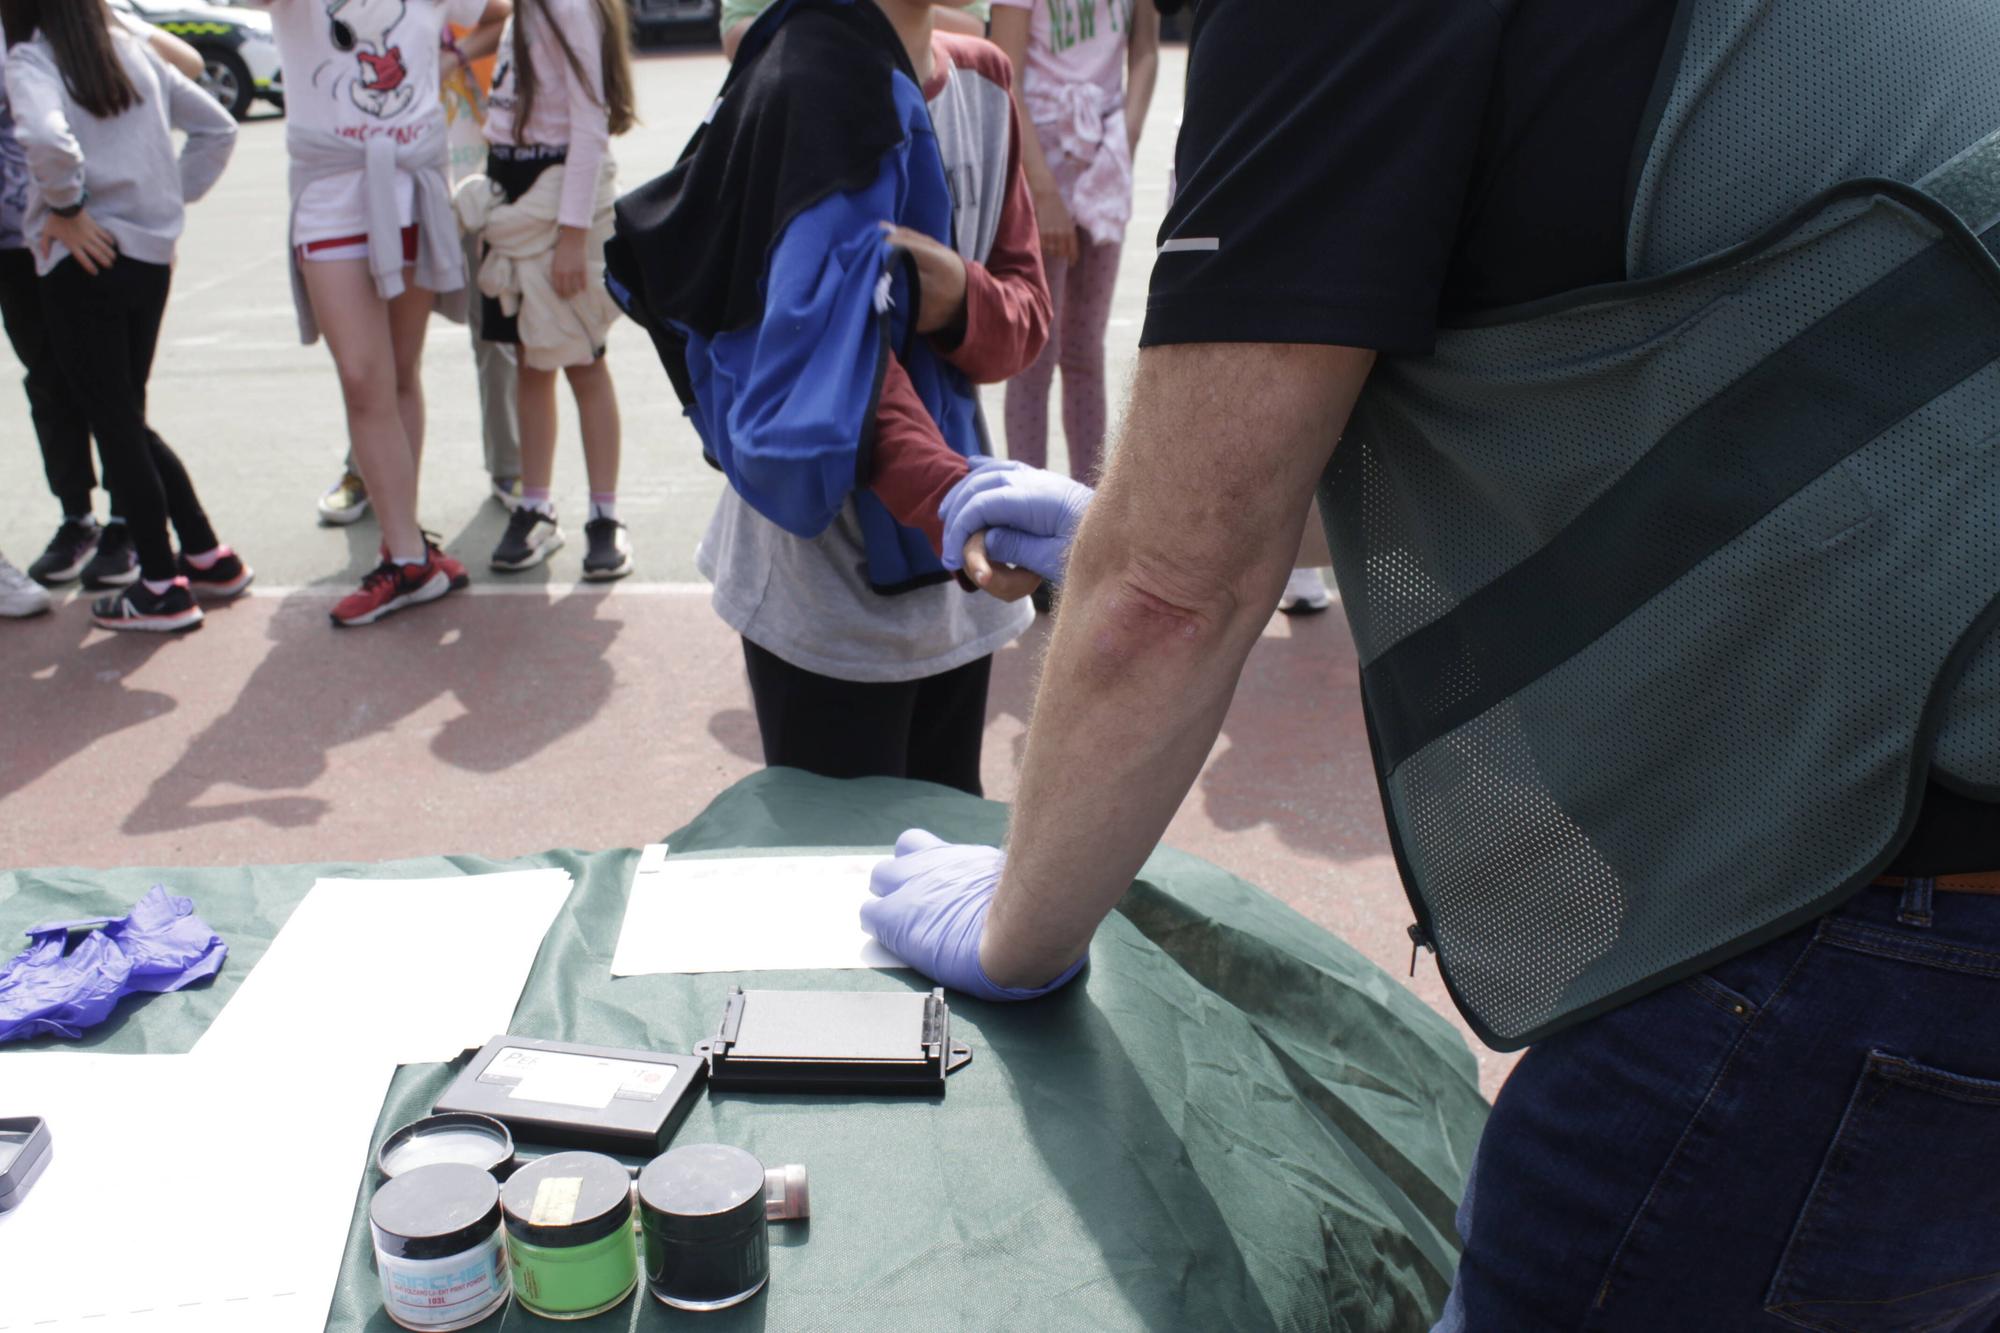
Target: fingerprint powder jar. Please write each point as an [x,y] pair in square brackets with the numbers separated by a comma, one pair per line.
[569,1235]
[457,1136]
[437,1247]
[702,1212]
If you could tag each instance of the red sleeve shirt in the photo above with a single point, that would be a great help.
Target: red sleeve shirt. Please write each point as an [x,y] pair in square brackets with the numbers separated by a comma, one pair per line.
[1001,331]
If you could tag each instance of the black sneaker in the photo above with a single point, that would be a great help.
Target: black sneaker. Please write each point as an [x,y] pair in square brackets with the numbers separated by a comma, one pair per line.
[610,555]
[116,564]
[532,537]
[67,553]
[221,581]
[140,608]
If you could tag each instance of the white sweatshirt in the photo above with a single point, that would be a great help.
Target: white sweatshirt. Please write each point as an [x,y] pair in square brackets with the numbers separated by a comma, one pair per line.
[138,185]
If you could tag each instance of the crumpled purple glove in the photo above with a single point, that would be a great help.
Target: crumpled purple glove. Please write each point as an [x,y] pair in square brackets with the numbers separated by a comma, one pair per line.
[160,945]
[1029,516]
[930,910]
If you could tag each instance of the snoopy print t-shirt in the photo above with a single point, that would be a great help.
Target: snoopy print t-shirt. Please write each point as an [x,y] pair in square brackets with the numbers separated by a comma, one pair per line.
[359,68]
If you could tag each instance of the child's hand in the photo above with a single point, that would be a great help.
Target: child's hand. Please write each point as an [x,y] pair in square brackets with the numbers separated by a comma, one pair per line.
[1058,228]
[940,272]
[90,245]
[1007,582]
[569,274]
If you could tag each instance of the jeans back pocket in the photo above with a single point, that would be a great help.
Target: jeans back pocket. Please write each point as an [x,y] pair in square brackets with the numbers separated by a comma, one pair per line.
[1902,1228]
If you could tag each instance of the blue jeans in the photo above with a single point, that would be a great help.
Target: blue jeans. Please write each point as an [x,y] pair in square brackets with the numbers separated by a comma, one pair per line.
[1807,1136]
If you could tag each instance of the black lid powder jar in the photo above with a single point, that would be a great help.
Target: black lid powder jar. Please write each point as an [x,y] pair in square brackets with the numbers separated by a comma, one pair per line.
[702,1210]
[437,1247]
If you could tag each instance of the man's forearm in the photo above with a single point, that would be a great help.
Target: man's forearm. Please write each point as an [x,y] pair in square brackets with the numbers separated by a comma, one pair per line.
[1173,577]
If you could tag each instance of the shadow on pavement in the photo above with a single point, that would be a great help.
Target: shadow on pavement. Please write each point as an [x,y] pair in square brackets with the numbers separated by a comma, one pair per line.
[64,683]
[1298,760]
[735,729]
[1294,756]
[527,673]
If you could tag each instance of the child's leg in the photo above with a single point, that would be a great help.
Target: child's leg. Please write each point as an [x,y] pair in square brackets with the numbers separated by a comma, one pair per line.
[409,317]
[1028,392]
[183,504]
[597,415]
[103,330]
[836,728]
[535,394]
[355,321]
[184,509]
[500,431]
[60,427]
[948,731]
[1086,314]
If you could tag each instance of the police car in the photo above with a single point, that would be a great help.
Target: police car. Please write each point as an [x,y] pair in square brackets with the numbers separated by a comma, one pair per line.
[235,44]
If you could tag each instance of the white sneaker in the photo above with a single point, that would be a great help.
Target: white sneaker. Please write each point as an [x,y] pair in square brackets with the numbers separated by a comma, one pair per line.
[1305,594]
[507,493]
[20,596]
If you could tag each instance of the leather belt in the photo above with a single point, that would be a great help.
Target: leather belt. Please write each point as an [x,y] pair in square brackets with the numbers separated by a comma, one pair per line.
[1988,883]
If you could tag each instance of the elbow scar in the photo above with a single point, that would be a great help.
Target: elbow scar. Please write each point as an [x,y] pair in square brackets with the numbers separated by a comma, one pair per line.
[1136,613]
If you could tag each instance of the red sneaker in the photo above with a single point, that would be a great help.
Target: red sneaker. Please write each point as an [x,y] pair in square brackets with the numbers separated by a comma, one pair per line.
[449,564]
[389,588]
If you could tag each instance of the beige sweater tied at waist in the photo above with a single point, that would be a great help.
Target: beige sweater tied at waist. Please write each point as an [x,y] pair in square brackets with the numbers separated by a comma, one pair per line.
[520,255]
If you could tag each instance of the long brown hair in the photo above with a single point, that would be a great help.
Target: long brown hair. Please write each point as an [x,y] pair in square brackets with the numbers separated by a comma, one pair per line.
[617,73]
[80,32]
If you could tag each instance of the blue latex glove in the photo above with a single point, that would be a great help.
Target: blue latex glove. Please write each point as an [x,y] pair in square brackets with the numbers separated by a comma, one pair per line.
[1029,516]
[160,945]
[930,909]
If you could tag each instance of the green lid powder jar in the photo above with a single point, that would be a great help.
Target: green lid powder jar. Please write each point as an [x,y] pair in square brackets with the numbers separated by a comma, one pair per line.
[569,1235]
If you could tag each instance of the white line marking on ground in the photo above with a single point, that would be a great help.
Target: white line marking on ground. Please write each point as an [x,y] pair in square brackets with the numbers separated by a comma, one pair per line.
[335,591]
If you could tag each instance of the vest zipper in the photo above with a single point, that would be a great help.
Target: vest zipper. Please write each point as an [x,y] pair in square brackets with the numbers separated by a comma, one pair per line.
[1419,939]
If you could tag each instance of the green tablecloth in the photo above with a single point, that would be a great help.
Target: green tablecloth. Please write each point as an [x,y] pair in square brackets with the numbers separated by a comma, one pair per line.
[1233,1122]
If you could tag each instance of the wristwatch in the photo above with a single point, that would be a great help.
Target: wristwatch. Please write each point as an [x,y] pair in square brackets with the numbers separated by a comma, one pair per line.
[71,210]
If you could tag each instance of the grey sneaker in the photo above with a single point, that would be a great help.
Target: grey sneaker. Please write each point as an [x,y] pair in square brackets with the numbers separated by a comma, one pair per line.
[68,552]
[20,596]
[532,537]
[610,554]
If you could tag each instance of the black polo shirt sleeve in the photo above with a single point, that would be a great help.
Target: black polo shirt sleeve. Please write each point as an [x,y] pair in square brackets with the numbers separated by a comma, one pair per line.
[1322,170]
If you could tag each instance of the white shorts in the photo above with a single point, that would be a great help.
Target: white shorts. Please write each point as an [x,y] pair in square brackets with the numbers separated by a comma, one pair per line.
[355,247]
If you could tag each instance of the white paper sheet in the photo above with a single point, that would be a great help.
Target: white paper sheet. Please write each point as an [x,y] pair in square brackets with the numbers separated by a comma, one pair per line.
[184,1192]
[411,971]
[747,914]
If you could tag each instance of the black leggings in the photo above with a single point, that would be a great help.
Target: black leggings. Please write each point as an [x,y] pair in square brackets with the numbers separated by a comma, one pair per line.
[104,330]
[930,729]
[60,426]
